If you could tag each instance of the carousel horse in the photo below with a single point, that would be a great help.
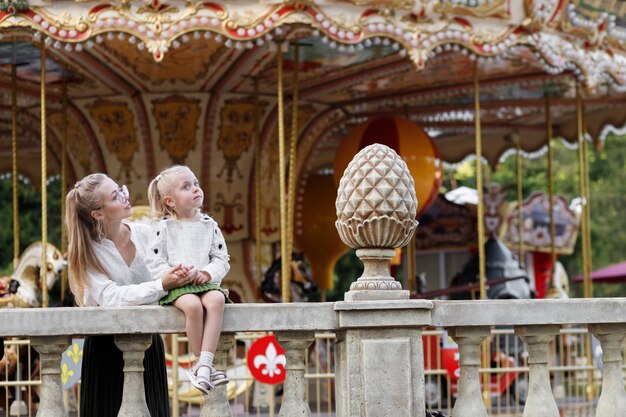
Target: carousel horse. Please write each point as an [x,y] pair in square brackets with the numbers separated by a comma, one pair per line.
[23,289]
[302,283]
[26,278]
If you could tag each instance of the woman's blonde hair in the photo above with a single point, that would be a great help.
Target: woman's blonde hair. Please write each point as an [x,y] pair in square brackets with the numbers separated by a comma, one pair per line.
[161,186]
[82,230]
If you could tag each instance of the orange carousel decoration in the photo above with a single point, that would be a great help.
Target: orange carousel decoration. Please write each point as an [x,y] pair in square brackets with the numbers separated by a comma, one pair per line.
[416,148]
[410,141]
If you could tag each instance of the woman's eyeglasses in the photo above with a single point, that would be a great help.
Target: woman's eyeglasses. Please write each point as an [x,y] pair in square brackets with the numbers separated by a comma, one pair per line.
[122,194]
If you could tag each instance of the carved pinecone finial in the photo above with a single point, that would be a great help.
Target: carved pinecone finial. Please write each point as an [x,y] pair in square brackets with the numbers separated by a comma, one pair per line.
[376,202]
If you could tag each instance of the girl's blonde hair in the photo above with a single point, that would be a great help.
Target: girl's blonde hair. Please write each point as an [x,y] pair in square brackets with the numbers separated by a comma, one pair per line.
[161,186]
[82,230]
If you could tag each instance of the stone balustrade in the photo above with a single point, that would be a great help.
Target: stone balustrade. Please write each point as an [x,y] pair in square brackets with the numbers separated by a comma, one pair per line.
[379,359]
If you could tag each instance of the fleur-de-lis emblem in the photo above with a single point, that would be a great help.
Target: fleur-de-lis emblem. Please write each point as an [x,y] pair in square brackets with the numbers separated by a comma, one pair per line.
[66,373]
[76,353]
[271,360]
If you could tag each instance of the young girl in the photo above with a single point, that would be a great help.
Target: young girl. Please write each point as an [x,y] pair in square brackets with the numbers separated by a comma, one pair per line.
[184,235]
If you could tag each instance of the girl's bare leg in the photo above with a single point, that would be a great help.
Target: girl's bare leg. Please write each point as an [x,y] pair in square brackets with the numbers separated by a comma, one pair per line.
[191,305]
[213,302]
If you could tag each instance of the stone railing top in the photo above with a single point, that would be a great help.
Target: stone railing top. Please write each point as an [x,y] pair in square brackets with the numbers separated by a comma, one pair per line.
[314,316]
[529,312]
[157,319]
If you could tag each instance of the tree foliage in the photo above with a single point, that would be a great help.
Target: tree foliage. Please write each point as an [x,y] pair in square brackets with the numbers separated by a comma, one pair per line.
[29,216]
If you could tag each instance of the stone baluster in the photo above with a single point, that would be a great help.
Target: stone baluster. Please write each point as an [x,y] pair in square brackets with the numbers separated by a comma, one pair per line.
[469,401]
[294,397]
[540,401]
[50,349]
[612,402]
[133,347]
[216,401]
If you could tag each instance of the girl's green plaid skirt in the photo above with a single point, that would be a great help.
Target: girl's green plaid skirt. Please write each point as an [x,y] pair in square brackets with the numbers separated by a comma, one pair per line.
[172,295]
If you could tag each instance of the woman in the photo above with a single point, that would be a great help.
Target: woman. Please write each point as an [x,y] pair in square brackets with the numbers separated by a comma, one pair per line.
[106,264]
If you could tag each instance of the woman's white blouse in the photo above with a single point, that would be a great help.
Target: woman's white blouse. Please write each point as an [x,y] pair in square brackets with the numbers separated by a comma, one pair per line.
[127,285]
[198,243]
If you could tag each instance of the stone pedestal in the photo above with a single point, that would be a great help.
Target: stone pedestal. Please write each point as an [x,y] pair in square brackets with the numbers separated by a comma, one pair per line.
[133,347]
[51,396]
[540,400]
[376,283]
[216,401]
[380,367]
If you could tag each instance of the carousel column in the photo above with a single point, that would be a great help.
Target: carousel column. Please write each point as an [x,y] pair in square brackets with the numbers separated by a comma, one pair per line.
[540,400]
[50,350]
[133,347]
[380,367]
[216,401]
[469,402]
[612,402]
[296,346]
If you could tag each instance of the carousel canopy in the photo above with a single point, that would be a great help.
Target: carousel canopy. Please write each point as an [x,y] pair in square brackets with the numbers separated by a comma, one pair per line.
[154,82]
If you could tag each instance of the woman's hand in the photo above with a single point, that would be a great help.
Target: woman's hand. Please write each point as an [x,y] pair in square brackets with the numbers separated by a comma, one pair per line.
[176,278]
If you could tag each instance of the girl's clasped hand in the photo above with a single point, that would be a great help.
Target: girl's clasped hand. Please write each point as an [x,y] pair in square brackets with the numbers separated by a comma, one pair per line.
[191,274]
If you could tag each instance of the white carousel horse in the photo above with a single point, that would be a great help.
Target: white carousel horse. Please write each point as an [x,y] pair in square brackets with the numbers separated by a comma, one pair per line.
[27,274]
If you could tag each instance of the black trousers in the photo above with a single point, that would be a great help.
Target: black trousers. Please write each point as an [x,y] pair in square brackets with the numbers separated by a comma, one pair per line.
[102,378]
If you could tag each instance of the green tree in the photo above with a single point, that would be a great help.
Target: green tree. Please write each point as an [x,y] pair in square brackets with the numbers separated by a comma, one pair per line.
[347,269]
[30,217]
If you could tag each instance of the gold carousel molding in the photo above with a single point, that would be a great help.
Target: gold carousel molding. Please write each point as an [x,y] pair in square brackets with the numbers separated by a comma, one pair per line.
[562,38]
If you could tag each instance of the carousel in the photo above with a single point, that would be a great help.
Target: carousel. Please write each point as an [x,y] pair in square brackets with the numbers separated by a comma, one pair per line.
[268,101]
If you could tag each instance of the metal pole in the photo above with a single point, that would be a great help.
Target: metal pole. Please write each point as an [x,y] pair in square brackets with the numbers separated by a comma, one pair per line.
[481,227]
[584,228]
[520,202]
[587,203]
[64,185]
[550,181]
[257,182]
[553,292]
[291,190]
[587,286]
[44,189]
[479,187]
[285,271]
[16,204]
